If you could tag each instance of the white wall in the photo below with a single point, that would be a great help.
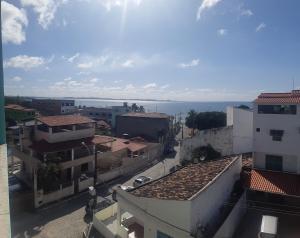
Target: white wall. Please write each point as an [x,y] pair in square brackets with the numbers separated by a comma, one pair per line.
[220,139]
[242,122]
[64,136]
[206,205]
[289,146]
[167,216]
[233,220]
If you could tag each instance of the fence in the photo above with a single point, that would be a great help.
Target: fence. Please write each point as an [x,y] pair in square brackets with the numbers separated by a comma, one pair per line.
[41,198]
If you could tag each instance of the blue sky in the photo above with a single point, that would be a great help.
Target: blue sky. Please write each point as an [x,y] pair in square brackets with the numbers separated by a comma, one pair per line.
[210,50]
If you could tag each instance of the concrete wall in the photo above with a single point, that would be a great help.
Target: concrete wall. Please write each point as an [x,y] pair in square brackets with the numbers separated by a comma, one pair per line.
[242,122]
[169,217]
[64,136]
[233,220]
[4,199]
[41,198]
[288,148]
[221,139]
[207,203]
[83,185]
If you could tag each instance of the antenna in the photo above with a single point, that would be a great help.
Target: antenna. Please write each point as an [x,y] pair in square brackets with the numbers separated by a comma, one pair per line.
[293,83]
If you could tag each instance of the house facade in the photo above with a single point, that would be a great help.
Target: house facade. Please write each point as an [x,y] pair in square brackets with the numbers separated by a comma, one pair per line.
[17,113]
[277,131]
[51,107]
[185,203]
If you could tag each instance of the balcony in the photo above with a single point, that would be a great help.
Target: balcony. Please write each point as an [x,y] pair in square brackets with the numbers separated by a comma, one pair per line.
[106,223]
[64,134]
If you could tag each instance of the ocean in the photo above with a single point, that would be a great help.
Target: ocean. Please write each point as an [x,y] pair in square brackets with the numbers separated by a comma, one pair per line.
[169,107]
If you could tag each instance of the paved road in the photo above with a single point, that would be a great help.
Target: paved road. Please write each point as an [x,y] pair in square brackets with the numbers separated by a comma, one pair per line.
[67,218]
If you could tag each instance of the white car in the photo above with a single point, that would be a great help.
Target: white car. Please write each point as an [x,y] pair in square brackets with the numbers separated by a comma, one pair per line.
[141,180]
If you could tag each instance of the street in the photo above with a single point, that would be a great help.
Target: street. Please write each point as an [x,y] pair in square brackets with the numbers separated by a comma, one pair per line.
[67,218]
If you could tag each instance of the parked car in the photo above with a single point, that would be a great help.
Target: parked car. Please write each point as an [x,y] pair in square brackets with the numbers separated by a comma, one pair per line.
[141,180]
[268,227]
[126,188]
[14,184]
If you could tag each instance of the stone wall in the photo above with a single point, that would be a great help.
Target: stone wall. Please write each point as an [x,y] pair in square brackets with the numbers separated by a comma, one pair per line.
[221,139]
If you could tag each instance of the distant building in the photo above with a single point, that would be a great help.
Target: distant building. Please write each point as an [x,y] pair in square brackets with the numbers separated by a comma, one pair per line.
[17,113]
[187,203]
[241,121]
[155,127]
[51,107]
[108,114]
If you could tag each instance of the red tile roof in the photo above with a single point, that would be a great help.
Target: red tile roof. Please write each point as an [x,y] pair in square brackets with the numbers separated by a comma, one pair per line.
[281,98]
[146,115]
[18,108]
[46,147]
[274,182]
[185,182]
[64,120]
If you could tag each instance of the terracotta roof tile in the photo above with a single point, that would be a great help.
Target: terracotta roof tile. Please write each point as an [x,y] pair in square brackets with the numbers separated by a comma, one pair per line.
[281,98]
[274,182]
[64,120]
[183,183]
[18,108]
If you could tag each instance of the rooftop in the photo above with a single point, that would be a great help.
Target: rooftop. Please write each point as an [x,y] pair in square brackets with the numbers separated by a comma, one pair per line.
[18,108]
[281,98]
[64,120]
[46,147]
[183,183]
[273,182]
[117,144]
[146,115]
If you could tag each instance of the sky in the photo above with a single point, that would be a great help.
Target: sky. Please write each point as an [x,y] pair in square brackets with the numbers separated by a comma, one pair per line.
[190,50]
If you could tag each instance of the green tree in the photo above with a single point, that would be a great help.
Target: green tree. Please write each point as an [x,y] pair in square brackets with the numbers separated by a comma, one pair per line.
[242,106]
[205,120]
[48,176]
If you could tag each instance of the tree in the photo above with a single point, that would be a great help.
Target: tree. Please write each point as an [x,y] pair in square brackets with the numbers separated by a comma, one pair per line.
[141,109]
[48,176]
[242,106]
[134,107]
[205,120]
[203,153]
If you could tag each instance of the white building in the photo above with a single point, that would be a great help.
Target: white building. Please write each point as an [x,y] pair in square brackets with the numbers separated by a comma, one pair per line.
[242,122]
[277,132]
[186,203]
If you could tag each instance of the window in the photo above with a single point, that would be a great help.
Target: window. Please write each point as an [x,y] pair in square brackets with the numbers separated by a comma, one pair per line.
[276,135]
[274,162]
[84,167]
[162,235]
[257,129]
[277,109]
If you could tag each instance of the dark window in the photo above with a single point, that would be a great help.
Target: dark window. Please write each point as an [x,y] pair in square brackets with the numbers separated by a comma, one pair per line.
[274,162]
[91,113]
[84,167]
[276,135]
[162,235]
[257,129]
[277,109]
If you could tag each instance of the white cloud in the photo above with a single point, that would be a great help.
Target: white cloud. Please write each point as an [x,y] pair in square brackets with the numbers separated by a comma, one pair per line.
[72,58]
[46,9]
[94,80]
[128,64]
[14,20]
[16,79]
[193,63]
[150,85]
[206,4]
[165,86]
[222,32]
[260,27]
[111,61]
[24,62]
[109,4]
[87,65]
[246,12]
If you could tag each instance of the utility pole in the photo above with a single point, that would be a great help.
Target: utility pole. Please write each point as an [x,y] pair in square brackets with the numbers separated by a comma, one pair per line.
[4,198]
